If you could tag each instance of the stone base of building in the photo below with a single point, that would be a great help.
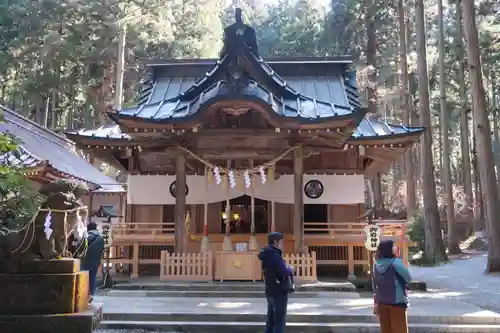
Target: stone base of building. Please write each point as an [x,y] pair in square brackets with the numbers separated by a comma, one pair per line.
[83,322]
[43,287]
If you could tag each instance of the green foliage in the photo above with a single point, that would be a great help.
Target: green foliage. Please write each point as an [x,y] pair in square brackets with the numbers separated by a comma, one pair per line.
[416,231]
[17,201]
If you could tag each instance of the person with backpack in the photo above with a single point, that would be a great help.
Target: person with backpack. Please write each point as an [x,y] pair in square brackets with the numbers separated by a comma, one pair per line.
[278,278]
[390,282]
[92,259]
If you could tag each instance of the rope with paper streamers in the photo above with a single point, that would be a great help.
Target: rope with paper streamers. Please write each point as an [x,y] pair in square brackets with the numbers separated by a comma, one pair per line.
[47,227]
[233,173]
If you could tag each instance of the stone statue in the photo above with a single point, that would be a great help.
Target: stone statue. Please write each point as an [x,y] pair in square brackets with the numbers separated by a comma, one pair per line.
[62,212]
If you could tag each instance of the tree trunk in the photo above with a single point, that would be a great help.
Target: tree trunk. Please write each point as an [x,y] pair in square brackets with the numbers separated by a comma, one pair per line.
[496,138]
[371,55]
[464,121]
[408,158]
[120,67]
[453,241]
[479,220]
[434,249]
[53,110]
[483,136]
[371,89]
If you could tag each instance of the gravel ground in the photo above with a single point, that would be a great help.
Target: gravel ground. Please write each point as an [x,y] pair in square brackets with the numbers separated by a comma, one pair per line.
[463,279]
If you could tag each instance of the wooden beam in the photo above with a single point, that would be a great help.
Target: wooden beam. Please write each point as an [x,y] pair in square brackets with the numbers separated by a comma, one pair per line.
[180,204]
[298,205]
[237,132]
[236,154]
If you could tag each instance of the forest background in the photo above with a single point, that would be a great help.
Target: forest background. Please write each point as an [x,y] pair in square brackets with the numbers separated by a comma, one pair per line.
[59,61]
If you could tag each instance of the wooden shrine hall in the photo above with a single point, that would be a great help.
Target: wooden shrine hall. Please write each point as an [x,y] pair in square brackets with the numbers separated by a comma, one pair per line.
[221,152]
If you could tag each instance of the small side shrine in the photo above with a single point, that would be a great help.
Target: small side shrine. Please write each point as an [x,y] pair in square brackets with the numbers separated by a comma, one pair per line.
[47,156]
[256,146]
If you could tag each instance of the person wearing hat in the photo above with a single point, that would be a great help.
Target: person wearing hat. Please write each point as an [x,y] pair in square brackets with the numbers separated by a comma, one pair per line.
[390,281]
[278,281]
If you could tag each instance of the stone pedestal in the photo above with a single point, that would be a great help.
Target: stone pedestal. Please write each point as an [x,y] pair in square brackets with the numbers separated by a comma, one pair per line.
[45,297]
[82,322]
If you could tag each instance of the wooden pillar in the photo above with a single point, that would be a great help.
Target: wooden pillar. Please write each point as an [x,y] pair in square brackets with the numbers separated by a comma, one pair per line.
[123,208]
[135,262]
[298,206]
[180,204]
[273,216]
[350,259]
[404,252]
[90,211]
[205,246]
[252,245]
[227,244]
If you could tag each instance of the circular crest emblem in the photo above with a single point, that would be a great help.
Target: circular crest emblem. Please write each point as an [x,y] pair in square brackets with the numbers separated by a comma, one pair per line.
[173,189]
[313,189]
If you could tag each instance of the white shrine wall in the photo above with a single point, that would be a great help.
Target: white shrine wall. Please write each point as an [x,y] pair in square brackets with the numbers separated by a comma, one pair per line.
[155,190]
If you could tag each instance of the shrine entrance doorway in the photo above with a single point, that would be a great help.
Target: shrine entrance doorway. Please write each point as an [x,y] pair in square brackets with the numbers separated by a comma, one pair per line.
[241,215]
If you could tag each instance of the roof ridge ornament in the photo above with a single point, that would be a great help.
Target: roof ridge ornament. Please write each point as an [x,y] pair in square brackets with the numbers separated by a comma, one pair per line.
[239,34]
[237,37]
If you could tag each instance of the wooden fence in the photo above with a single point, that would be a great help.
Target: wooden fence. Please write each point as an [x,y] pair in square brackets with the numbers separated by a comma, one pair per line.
[304,264]
[186,266]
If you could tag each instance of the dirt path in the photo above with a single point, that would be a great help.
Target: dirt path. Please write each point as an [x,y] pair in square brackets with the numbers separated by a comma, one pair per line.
[464,279]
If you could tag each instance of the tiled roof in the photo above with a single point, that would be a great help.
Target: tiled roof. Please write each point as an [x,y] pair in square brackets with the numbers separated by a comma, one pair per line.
[109,131]
[321,88]
[41,146]
[372,129]
[299,106]
[170,98]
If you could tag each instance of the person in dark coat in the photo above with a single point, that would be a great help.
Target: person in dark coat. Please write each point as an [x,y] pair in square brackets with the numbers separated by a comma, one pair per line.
[390,281]
[276,272]
[92,259]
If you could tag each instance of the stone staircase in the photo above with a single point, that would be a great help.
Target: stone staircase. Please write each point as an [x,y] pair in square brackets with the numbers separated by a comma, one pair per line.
[334,307]
[227,289]
[252,323]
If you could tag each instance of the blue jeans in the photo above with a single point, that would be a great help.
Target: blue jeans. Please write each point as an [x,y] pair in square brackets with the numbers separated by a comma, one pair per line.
[276,313]
[92,278]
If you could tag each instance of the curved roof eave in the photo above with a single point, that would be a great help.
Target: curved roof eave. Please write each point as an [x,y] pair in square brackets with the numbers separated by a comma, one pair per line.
[404,134]
[370,131]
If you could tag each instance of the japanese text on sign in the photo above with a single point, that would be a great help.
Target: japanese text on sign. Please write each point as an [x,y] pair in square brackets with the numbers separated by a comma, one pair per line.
[372,237]
[106,231]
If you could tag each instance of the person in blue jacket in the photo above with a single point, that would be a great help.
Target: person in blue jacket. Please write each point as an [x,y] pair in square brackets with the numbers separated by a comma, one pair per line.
[92,259]
[276,272]
[390,281]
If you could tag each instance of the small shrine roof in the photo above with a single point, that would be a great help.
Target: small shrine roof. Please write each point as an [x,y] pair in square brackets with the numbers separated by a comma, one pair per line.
[40,147]
[375,129]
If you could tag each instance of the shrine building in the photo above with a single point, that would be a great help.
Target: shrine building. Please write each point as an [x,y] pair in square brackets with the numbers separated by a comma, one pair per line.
[46,156]
[221,152]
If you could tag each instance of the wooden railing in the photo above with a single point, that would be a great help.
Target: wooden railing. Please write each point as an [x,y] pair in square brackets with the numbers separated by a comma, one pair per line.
[304,265]
[390,228]
[144,228]
[186,266]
